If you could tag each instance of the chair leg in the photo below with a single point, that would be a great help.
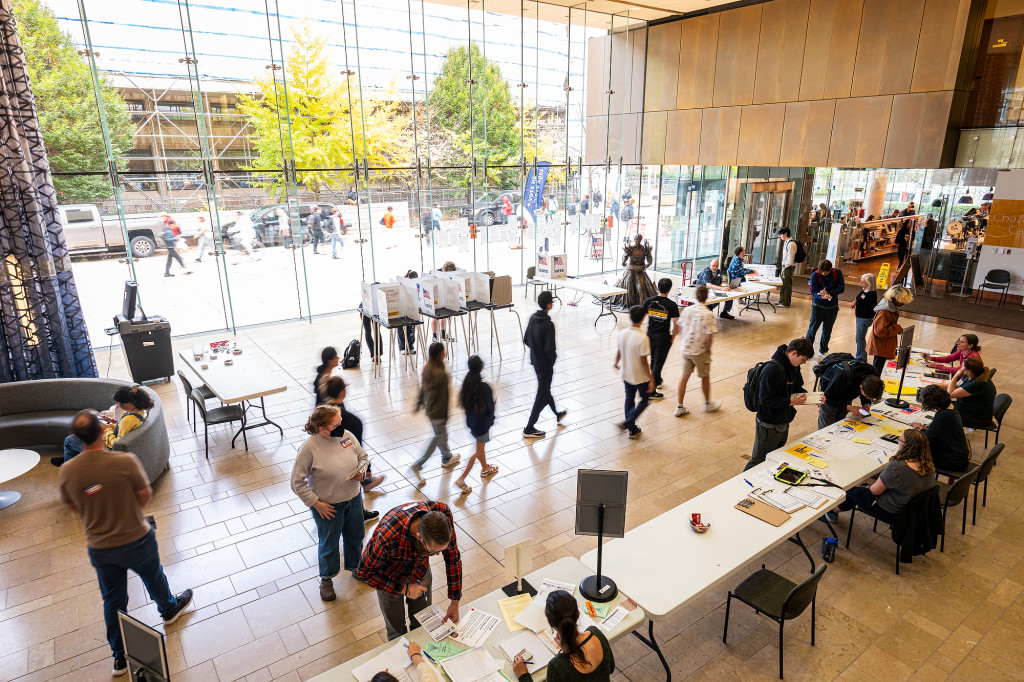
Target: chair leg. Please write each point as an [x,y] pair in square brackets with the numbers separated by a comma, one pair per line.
[782,624]
[725,631]
[849,530]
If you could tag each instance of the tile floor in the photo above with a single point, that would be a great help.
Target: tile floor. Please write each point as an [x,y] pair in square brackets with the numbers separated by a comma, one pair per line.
[230,528]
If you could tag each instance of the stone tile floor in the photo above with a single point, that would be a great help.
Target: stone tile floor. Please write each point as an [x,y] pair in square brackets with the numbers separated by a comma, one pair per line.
[230,528]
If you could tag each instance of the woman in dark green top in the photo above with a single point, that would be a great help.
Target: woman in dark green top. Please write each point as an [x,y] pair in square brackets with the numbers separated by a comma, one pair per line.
[585,656]
[974,392]
[945,431]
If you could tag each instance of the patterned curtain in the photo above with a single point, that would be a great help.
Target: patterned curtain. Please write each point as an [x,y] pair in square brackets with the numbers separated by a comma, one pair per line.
[42,330]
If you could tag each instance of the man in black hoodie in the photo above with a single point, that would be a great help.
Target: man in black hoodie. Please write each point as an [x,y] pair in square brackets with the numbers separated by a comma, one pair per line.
[780,388]
[540,339]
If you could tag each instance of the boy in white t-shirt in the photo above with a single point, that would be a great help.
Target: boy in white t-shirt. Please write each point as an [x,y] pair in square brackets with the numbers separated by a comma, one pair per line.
[634,347]
[698,326]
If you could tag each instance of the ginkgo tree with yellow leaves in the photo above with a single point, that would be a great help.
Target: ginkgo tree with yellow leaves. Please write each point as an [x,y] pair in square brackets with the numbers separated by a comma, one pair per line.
[321,119]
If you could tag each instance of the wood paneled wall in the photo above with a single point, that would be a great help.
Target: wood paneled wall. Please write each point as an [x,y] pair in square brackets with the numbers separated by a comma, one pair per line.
[862,83]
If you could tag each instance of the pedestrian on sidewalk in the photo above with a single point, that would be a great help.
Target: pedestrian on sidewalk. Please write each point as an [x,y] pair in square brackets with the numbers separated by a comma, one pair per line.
[433,398]
[698,327]
[662,326]
[634,347]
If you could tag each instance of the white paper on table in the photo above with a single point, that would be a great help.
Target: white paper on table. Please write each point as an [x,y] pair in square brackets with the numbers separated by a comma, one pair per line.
[395,660]
[613,619]
[430,618]
[471,665]
[475,627]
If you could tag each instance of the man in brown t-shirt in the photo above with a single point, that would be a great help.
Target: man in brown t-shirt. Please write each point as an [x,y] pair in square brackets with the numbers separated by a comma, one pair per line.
[109,491]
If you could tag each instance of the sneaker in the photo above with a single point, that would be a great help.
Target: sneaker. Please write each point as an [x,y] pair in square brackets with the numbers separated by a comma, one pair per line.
[532,433]
[120,666]
[712,406]
[327,590]
[832,517]
[656,396]
[560,415]
[183,599]
[369,515]
[727,316]
[373,482]
[452,461]
[57,461]
[681,411]
[634,433]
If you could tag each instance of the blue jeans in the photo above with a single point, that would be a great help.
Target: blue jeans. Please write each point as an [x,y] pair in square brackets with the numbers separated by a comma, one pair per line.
[336,240]
[634,409]
[824,318]
[143,557]
[72,446]
[863,325]
[439,441]
[346,527]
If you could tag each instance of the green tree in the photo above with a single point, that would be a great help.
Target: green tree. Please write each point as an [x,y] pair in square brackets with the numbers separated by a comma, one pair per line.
[66,104]
[494,137]
[318,135]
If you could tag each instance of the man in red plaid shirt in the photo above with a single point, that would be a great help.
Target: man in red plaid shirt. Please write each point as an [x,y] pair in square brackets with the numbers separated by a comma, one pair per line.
[396,562]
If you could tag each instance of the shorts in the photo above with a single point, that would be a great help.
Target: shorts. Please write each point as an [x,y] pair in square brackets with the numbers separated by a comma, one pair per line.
[483,437]
[701,363]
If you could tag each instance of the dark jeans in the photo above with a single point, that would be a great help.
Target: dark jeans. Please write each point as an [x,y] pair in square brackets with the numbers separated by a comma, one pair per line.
[370,334]
[634,409]
[766,439]
[862,498]
[143,557]
[173,255]
[345,528]
[544,397]
[393,608]
[786,295]
[407,333]
[660,345]
[879,362]
[824,318]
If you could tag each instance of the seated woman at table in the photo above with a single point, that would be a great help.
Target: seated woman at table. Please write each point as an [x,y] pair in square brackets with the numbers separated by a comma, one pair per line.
[584,656]
[945,432]
[966,347]
[974,392]
[425,671]
[908,474]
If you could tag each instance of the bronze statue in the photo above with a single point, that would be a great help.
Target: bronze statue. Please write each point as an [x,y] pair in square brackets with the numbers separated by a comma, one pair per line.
[636,258]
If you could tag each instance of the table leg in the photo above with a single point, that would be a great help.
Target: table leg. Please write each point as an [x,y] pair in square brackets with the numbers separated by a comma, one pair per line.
[8,497]
[653,644]
[800,543]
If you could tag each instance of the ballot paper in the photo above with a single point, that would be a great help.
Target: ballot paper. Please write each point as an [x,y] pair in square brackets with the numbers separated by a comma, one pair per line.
[471,665]
[430,618]
[475,627]
[613,619]
[395,660]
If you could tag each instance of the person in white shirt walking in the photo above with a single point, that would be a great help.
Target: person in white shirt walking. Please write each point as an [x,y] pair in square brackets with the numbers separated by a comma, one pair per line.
[634,347]
[698,326]
[788,266]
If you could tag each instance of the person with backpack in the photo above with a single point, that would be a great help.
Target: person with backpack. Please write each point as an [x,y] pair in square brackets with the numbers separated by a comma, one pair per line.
[662,326]
[826,284]
[864,312]
[773,390]
[850,386]
[540,339]
[791,252]
[315,227]
[477,399]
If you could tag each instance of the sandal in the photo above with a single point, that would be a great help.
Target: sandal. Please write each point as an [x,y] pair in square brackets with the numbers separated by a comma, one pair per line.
[464,488]
[489,471]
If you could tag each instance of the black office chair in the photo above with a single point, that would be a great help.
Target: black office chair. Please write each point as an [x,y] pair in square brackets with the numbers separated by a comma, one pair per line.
[997,280]
[203,389]
[925,505]
[951,496]
[218,415]
[1000,405]
[983,473]
[780,599]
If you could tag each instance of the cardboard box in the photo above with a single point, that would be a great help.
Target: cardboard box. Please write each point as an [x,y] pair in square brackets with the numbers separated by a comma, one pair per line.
[551,265]
[387,302]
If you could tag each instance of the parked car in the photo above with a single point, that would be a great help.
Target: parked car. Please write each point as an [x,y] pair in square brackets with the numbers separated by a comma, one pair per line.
[86,231]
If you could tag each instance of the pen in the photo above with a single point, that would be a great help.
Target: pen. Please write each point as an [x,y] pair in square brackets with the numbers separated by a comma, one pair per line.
[748,483]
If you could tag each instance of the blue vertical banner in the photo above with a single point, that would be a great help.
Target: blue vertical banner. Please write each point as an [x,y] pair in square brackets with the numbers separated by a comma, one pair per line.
[533,197]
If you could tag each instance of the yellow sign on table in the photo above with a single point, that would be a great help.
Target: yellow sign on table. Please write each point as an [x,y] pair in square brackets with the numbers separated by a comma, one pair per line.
[882,281]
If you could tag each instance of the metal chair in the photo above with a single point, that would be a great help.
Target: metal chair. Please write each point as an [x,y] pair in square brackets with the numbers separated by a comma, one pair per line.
[983,473]
[997,280]
[531,272]
[202,388]
[218,415]
[780,599]
[1000,405]
[951,496]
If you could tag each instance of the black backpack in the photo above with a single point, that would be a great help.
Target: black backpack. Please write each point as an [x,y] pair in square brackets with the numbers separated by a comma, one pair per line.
[350,358]
[752,387]
[801,255]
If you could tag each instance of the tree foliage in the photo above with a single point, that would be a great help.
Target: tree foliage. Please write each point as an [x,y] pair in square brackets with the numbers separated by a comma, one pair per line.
[66,105]
[318,132]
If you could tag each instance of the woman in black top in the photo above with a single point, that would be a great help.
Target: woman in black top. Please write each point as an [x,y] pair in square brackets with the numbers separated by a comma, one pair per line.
[950,451]
[864,311]
[584,656]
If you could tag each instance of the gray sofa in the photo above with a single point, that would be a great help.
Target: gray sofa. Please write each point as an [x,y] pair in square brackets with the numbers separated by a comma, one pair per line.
[39,413]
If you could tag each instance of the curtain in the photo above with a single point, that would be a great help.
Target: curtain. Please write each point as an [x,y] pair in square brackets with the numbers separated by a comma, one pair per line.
[42,330]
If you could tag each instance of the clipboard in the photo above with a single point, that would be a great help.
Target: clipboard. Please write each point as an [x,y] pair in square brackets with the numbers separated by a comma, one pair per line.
[763,511]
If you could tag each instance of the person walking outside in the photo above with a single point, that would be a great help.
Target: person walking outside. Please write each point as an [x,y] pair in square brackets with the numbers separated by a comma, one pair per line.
[885,326]
[540,339]
[326,477]
[788,266]
[202,238]
[780,387]
[396,563]
[171,244]
[477,399]
[864,312]
[108,490]
[662,326]
[698,327]
[433,398]
[633,349]
[826,284]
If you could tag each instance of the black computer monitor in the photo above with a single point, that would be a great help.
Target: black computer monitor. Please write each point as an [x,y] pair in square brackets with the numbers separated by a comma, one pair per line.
[131,295]
[144,648]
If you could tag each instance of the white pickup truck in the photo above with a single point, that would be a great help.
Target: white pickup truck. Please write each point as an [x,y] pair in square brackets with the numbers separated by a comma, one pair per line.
[86,231]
